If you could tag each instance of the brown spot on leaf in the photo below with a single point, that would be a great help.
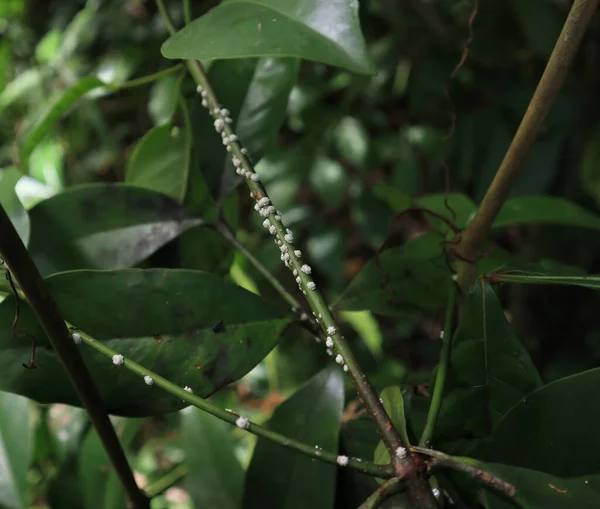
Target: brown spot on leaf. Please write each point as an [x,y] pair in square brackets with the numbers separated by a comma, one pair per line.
[198,367]
[558,490]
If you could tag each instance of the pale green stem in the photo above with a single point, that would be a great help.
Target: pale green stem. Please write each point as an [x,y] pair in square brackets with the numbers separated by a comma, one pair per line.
[144,80]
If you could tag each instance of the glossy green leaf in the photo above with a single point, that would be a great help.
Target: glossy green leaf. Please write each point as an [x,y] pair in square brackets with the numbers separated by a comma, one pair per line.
[367,327]
[163,99]
[52,115]
[556,425]
[393,402]
[160,161]
[538,490]
[491,369]
[99,484]
[103,226]
[161,319]
[545,210]
[279,477]
[326,31]
[214,475]
[11,203]
[15,450]
[414,275]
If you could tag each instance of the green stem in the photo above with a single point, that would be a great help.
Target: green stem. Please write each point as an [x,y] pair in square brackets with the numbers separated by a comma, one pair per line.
[32,285]
[144,80]
[467,466]
[228,235]
[168,480]
[382,493]
[471,241]
[382,471]
[442,372]
[165,16]
[187,12]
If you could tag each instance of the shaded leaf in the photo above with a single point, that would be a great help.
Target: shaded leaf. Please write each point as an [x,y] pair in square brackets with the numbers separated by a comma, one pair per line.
[541,36]
[99,484]
[11,203]
[414,275]
[15,450]
[491,369]
[544,210]
[163,99]
[456,207]
[160,161]
[556,425]
[103,226]
[536,490]
[214,475]
[47,121]
[279,477]
[162,319]
[275,28]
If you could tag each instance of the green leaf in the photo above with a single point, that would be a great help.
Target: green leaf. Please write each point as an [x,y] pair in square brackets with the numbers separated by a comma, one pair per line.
[540,21]
[202,248]
[163,99]
[367,327]
[456,207]
[393,402]
[215,477]
[279,477]
[326,31]
[414,275]
[52,115]
[544,210]
[100,486]
[15,450]
[537,490]
[11,203]
[160,161]
[491,369]
[161,319]
[556,425]
[103,226]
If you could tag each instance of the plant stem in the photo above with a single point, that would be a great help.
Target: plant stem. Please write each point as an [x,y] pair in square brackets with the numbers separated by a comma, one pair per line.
[404,464]
[382,471]
[187,12]
[166,481]
[442,372]
[382,493]
[148,79]
[471,241]
[468,466]
[228,235]
[33,287]
[165,16]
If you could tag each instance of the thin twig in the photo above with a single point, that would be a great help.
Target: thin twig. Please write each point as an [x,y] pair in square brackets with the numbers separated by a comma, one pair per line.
[150,78]
[471,241]
[382,493]
[32,285]
[442,372]
[472,468]
[366,467]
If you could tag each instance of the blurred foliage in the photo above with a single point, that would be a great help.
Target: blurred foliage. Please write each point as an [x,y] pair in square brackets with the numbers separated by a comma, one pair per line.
[346,157]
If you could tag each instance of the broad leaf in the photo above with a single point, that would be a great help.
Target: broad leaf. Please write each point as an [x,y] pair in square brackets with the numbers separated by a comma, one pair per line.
[15,450]
[11,203]
[544,210]
[161,319]
[456,207]
[556,425]
[279,477]
[537,490]
[414,275]
[53,114]
[325,31]
[160,161]
[491,369]
[100,487]
[214,475]
[103,226]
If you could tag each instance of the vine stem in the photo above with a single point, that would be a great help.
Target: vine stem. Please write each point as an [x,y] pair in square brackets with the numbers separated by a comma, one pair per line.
[404,464]
[32,285]
[385,491]
[144,80]
[442,372]
[470,242]
[382,471]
